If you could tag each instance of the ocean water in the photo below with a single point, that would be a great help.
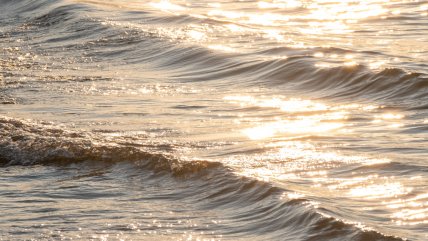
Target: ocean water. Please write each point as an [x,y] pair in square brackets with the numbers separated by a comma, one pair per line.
[214,120]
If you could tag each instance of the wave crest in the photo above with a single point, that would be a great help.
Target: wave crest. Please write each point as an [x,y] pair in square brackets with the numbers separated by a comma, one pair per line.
[25,143]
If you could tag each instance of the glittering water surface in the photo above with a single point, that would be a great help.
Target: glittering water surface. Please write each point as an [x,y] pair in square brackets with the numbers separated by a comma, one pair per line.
[224,120]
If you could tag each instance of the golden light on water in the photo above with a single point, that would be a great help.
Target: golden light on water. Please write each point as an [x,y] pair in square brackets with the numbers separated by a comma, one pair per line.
[321,28]
[390,116]
[346,10]
[296,24]
[287,105]
[222,48]
[196,35]
[290,127]
[411,217]
[303,160]
[265,19]
[166,5]
[206,97]
[234,28]
[376,64]
[293,195]
[410,211]
[379,191]
[306,117]
[274,34]
[308,154]
[281,4]
[319,54]
[291,160]
[392,120]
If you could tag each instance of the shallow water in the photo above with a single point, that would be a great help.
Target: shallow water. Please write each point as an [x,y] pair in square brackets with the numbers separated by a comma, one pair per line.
[225,120]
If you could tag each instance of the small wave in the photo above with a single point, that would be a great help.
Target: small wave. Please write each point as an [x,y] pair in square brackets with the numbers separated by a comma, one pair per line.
[29,143]
[104,40]
[23,143]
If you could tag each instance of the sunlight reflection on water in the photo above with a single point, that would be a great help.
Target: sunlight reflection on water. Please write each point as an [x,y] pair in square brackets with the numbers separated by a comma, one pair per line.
[304,161]
[303,24]
[228,65]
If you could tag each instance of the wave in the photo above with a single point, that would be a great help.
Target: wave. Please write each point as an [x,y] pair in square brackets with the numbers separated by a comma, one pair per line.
[23,143]
[68,32]
[256,205]
[101,40]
